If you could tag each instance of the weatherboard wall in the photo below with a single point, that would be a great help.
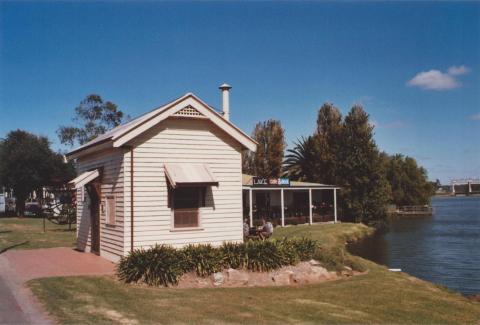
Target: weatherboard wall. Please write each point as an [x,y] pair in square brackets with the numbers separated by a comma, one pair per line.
[111,236]
[183,140]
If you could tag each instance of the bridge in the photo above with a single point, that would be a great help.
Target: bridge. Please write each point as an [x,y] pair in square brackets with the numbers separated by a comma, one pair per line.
[465,182]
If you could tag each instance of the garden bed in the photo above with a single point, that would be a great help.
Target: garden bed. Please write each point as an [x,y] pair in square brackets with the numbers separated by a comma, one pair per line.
[254,263]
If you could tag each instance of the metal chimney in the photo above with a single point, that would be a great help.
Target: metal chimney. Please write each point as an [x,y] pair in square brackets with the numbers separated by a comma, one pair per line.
[225,100]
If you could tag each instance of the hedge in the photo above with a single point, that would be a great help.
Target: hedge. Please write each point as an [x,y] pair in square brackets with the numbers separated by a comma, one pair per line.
[164,265]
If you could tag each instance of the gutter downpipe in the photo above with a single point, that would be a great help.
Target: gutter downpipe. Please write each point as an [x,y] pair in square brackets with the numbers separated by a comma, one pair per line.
[131,197]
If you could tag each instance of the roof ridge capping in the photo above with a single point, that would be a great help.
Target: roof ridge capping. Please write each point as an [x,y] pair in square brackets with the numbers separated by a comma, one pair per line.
[125,132]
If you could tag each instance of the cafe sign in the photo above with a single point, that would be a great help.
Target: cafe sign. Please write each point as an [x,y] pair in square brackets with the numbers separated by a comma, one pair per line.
[263,181]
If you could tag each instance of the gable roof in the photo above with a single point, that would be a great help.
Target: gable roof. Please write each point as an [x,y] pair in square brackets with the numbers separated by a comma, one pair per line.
[121,134]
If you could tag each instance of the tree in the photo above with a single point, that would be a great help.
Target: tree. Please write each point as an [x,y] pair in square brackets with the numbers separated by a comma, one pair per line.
[301,162]
[365,190]
[92,117]
[328,138]
[268,159]
[408,181]
[27,163]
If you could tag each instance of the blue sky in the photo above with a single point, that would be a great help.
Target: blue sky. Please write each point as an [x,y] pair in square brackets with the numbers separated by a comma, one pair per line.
[414,66]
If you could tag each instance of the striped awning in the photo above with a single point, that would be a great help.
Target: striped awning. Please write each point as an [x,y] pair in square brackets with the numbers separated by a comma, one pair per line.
[189,175]
[84,178]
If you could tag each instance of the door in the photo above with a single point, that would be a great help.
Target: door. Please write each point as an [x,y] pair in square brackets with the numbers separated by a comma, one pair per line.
[93,190]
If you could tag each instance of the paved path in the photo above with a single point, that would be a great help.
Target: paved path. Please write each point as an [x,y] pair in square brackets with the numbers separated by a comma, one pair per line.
[17,303]
[10,311]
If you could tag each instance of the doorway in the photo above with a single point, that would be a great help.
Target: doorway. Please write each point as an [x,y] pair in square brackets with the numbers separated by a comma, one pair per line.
[93,190]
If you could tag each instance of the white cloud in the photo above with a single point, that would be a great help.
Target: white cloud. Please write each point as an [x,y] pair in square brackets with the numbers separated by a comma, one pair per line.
[475,117]
[438,80]
[434,80]
[458,71]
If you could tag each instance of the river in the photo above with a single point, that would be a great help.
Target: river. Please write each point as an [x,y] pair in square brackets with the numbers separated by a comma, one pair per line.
[443,249]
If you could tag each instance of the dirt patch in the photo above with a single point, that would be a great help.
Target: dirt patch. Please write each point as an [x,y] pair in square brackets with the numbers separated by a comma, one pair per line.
[111,314]
[316,303]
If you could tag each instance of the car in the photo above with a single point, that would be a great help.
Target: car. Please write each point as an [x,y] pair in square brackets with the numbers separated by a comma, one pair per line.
[32,209]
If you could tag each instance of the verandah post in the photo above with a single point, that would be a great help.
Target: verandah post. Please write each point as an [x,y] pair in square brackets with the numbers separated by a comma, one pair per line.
[335,205]
[250,211]
[310,206]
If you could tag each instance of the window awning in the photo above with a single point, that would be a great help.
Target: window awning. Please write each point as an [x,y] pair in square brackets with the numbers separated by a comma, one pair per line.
[84,178]
[189,175]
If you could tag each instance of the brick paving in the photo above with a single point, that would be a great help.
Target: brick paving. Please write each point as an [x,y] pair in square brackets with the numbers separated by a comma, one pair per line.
[17,303]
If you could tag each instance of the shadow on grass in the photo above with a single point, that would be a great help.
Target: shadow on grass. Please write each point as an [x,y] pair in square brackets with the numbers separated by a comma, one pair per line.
[3,250]
[5,232]
[63,230]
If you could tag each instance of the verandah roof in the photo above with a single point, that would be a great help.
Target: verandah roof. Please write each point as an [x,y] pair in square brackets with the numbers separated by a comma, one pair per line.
[84,178]
[247,181]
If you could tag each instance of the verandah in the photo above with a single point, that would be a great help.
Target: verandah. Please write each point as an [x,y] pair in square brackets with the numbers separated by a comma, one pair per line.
[290,205]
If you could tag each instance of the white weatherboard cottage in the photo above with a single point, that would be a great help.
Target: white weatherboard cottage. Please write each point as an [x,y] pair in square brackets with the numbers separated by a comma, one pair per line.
[171,176]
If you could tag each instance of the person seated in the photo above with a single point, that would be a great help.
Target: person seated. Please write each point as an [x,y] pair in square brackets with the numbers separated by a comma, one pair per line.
[267,229]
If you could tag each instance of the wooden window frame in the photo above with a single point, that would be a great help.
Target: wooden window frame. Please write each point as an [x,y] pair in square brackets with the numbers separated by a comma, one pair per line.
[108,220]
[201,204]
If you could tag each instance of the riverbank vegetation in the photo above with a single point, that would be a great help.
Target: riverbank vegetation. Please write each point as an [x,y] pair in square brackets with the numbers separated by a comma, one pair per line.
[342,151]
[379,296]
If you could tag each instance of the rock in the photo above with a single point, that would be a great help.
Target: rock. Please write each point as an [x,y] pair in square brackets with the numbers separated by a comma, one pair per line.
[320,271]
[218,279]
[203,283]
[282,277]
[313,262]
[307,273]
[236,277]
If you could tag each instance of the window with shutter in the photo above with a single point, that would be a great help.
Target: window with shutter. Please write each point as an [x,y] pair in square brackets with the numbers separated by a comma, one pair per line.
[110,205]
[186,202]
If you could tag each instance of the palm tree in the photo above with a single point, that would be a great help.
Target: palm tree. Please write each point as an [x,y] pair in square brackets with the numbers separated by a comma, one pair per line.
[301,161]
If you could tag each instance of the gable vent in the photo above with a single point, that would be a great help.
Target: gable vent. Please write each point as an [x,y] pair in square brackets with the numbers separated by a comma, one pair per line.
[188,111]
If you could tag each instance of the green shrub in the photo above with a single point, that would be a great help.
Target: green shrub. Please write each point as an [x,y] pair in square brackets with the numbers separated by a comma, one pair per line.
[264,255]
[164,265]
[234,255]
[159,265]
[304,247]
[288,251]
[203,259]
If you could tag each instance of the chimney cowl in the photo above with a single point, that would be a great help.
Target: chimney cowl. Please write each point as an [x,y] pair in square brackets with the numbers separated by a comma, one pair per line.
[225,87]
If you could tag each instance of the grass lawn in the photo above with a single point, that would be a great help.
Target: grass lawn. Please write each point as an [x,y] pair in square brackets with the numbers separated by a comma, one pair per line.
[27,233]
[326,234]
[380,296]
